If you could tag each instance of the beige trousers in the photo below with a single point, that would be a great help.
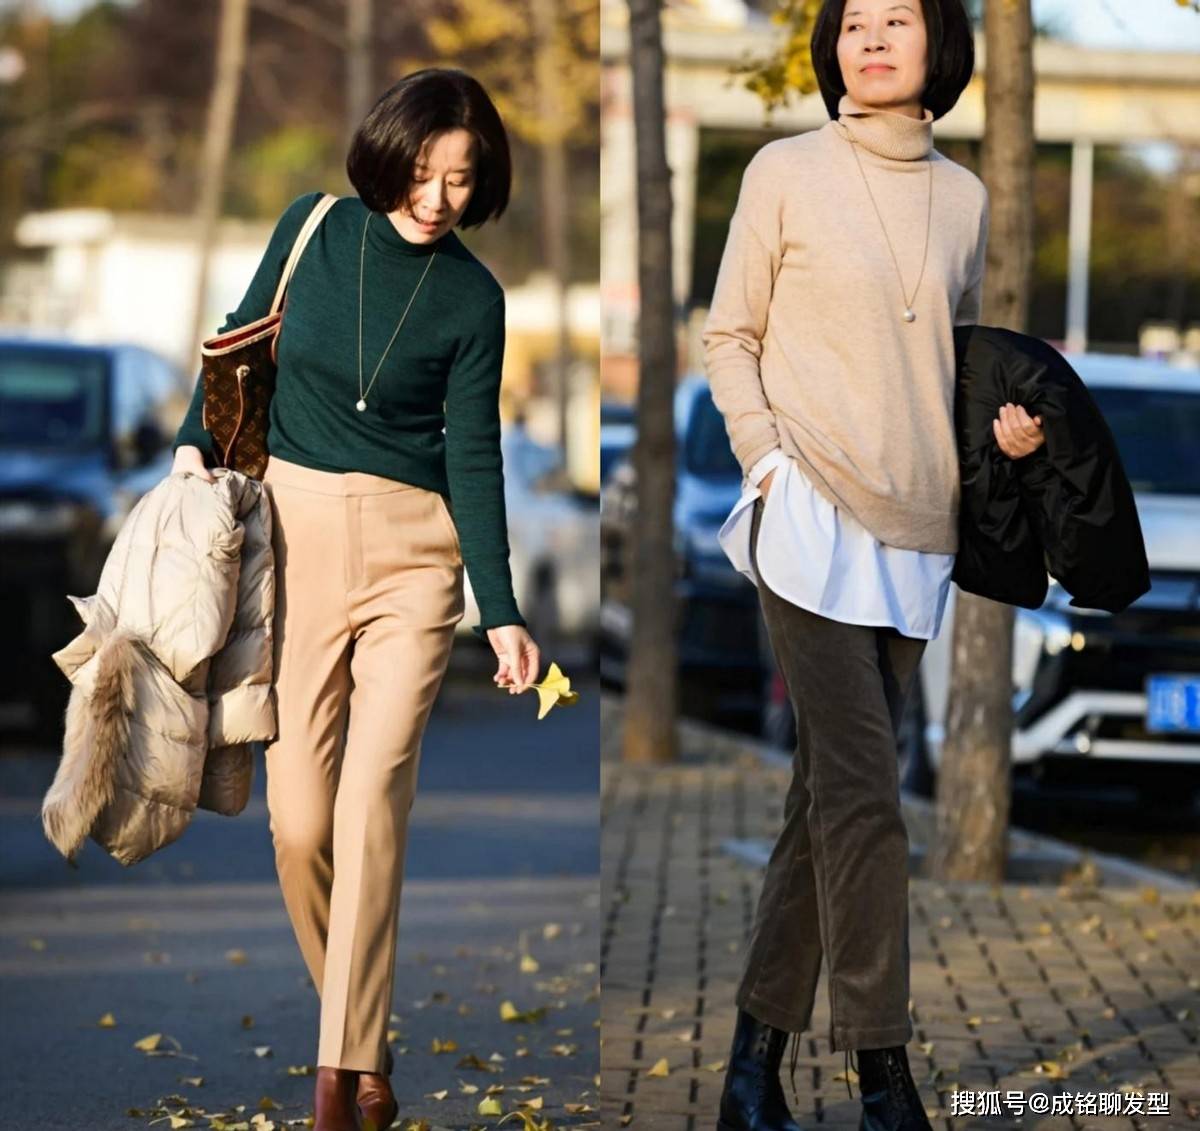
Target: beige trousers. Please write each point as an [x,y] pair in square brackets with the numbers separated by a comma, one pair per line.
[368,593]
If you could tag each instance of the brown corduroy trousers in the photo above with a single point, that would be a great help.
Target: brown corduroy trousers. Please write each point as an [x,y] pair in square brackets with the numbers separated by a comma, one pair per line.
[837,881]
[368,593]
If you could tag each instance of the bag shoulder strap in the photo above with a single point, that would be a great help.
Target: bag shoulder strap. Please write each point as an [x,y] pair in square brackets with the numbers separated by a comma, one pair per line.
[327,201]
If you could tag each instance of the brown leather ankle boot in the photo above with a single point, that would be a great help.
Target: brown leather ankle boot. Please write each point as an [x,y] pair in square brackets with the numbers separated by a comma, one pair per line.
[333,1104]
[376,1101]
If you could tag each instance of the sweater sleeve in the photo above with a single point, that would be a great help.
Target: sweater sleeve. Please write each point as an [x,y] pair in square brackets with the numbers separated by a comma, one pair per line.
[970,305]
[256,303]
[737,319]
[474,468]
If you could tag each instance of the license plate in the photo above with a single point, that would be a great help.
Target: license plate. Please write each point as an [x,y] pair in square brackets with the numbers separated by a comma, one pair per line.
[1173,703]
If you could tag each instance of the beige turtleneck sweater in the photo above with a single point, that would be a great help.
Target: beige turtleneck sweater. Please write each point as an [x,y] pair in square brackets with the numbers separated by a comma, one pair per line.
[805,345]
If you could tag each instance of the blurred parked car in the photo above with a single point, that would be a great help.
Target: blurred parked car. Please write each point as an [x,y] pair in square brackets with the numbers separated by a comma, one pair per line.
[721,660]
[618,430]
[553,545]
[1097,696]
[83,434]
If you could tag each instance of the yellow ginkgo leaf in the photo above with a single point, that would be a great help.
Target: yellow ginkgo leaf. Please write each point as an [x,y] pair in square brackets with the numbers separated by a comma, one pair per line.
[529,964]
[529,1121]
[661,1068]
[489,1105]
[554,690]
[509,1012]
[108,1021]
[148,1044]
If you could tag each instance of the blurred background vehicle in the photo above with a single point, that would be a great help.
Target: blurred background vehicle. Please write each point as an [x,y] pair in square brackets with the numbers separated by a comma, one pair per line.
[84,433]
[553,547]
[720,634]
[618,430]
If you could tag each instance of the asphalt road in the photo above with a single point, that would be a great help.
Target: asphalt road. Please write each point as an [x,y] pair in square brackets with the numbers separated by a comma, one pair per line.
[500,904]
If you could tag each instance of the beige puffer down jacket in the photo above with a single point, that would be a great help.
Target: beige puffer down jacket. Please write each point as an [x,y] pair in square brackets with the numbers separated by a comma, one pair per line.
[172,672]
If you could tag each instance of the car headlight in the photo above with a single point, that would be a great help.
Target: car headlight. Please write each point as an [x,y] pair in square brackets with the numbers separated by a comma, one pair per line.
[1036,632]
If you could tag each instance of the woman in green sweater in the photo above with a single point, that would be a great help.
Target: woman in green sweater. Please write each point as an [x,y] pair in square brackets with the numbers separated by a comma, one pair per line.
[386,480]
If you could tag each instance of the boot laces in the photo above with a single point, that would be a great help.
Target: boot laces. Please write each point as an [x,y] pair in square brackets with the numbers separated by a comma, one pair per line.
[849,1090]
[792,1061]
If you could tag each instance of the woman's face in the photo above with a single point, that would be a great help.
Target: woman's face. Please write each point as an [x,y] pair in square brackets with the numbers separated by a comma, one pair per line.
[443,180]
[881,50]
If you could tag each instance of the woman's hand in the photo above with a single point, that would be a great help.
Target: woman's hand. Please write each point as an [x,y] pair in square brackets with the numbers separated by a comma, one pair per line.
[190,458]
[1017,433]
[519,657]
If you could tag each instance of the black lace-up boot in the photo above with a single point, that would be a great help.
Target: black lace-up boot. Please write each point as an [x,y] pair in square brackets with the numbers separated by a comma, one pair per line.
[890,1100]
[752,1099]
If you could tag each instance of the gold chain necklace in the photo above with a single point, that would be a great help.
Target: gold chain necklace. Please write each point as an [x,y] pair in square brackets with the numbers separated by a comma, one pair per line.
[361,405]
[909,314]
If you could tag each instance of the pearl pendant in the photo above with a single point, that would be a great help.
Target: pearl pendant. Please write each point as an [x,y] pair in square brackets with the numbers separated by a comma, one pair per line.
[361,406]
[909,315]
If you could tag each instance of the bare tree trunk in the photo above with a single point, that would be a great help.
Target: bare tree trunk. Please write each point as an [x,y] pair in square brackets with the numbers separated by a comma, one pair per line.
[975,774]
[218,138]
[553,200]
[359,78]
[652,696]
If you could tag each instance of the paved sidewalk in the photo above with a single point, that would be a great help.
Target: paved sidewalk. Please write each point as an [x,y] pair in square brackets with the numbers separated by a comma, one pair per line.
[1052,990]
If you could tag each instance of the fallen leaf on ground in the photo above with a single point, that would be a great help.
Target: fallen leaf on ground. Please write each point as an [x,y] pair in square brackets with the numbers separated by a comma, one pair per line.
[509,1012]
[661,1068]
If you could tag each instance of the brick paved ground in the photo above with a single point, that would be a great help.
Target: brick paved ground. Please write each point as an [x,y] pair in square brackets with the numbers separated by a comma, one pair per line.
[1102,985]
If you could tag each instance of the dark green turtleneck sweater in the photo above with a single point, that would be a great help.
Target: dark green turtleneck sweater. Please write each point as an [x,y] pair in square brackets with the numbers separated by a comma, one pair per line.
[443,370]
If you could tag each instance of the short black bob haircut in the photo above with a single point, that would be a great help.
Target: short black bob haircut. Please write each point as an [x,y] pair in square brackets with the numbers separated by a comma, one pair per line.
[385,148]
[949,54]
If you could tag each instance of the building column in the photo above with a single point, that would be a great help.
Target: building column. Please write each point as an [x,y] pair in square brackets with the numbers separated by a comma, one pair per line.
[1079,243]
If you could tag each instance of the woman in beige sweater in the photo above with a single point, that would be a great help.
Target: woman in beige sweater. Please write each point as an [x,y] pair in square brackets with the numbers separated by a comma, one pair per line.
[853,251]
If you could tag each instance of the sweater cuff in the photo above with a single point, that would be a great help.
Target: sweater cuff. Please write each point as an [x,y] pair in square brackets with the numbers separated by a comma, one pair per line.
[768,463]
